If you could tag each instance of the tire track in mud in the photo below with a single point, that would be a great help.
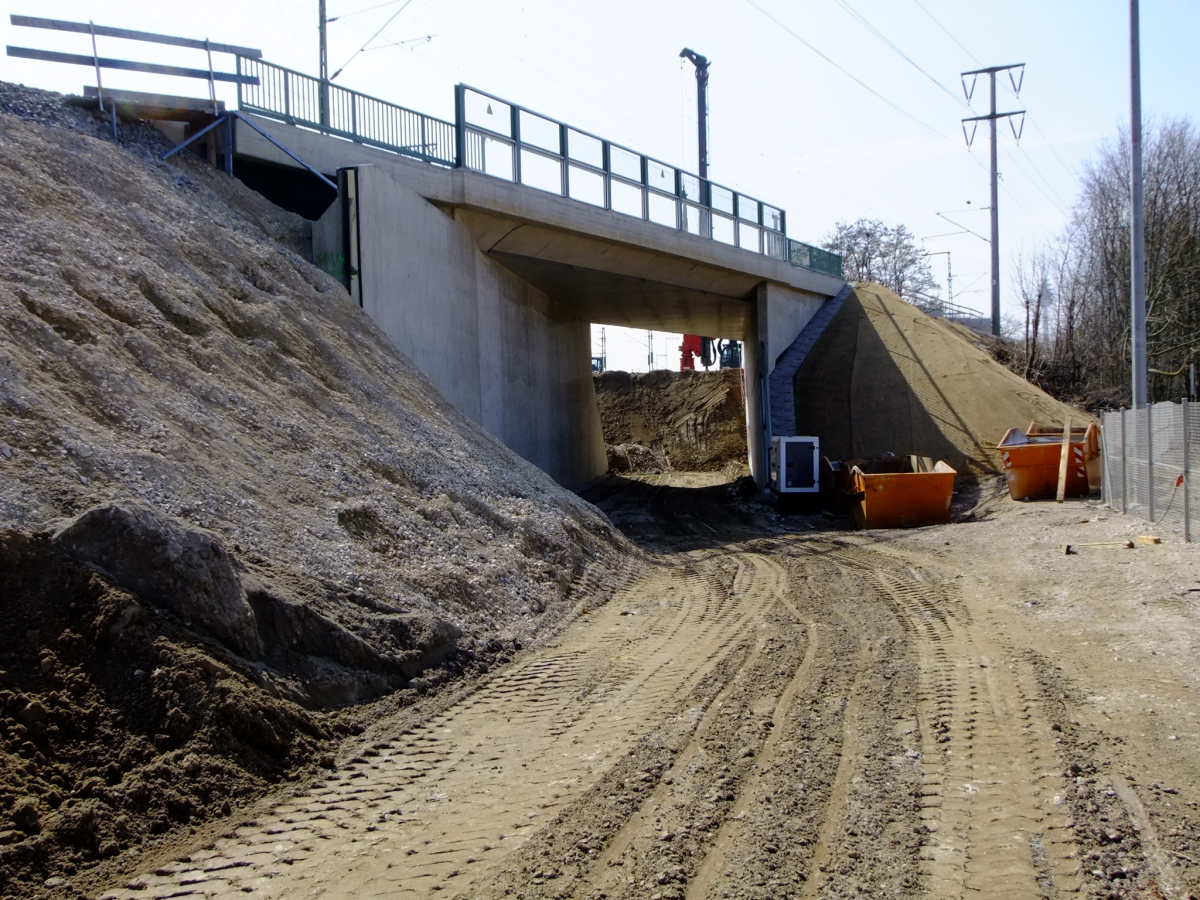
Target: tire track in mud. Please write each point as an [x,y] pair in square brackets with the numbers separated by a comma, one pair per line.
[428,810]
[992,795]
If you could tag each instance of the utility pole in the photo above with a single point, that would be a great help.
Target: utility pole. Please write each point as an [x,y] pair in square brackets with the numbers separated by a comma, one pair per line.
[1137,238]
[650,354]
[701,63]
[991,118]
[323,88]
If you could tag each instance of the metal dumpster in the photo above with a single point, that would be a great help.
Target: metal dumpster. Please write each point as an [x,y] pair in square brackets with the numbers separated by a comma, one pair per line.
[894,491]
[1031,461]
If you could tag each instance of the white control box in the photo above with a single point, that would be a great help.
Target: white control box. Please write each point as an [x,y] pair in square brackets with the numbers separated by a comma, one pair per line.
[794,462]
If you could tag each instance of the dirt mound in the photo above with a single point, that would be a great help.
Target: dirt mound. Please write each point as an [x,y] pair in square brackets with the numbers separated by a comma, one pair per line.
[165,348]
[886,377]
[116,723]
[695,421]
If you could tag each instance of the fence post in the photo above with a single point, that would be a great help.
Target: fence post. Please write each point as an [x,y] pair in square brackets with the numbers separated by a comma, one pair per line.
[1124,468]
[1149,463]
[1187,478]
[460,125]
[1105,474]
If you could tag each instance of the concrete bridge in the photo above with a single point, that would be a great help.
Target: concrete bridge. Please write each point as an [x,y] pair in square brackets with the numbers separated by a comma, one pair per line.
[489,272]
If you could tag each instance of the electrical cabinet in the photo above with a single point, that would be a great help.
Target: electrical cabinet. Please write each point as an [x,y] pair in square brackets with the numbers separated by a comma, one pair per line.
[794,463]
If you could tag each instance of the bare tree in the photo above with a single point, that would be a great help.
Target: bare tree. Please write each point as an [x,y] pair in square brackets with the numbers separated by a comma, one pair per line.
[1085,353]
[871,251]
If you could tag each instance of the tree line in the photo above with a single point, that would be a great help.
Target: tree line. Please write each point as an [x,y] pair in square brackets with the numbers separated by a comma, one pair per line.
[1072,337]
[1074,292]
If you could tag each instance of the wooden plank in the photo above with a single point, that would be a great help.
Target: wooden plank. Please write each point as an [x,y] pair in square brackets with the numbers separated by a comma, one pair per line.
[129,35]
[1063,462]
[78,59]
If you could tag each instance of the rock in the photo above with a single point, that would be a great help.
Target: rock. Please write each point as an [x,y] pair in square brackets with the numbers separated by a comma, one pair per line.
[25,815]
[167,563]
[12,836]
[34,711]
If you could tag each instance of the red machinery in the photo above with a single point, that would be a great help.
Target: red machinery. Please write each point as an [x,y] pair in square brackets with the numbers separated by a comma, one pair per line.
[692,346]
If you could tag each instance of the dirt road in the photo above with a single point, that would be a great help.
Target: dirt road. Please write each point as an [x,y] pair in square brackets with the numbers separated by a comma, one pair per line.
[766,709]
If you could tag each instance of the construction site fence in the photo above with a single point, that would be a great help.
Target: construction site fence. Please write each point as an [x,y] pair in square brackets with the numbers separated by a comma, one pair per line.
[1151,457]
[506,141]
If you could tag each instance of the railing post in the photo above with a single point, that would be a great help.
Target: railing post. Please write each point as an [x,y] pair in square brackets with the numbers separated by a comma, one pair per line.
[1149,463]
[562,151]
[238,66]
[515,114]
[1187,478]
[460,125]
[645,189]
[678,200]
[287,99]
[354,115]
[607,162]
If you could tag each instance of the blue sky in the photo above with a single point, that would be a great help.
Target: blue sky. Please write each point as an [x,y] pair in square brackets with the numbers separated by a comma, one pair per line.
[787,125]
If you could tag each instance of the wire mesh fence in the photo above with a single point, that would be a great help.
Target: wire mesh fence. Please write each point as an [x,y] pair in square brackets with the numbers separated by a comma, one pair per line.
[1151,457]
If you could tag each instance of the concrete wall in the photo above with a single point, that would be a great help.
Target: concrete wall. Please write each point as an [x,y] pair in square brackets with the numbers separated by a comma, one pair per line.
[499,349]
[780,314]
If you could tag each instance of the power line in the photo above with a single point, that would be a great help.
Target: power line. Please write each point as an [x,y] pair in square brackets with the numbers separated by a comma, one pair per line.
[852,76]
[879,34]
[391,19]
[947,30]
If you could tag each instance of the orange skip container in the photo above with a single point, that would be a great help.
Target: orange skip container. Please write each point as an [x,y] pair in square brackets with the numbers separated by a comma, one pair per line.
[900,492]
[1031,462]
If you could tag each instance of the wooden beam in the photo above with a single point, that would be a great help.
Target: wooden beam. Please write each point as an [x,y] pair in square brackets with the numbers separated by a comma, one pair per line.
[1064,461]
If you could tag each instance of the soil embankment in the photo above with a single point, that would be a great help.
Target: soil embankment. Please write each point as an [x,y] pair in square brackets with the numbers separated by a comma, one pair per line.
[231,503]
[682,421]
[885,377]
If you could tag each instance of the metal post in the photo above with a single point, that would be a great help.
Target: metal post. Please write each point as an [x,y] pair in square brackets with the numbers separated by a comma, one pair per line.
[995,215]
[515,117]
[229,146]
[96,61]
[323,87]
[1137,290]
[460,125]
[565,189]
[212,82]
[1125,469]
[701,63]
[1187,478]
[1149,463]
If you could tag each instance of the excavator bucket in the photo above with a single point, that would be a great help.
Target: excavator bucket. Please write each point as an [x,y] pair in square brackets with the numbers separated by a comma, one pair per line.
[897,491]
[1031,461]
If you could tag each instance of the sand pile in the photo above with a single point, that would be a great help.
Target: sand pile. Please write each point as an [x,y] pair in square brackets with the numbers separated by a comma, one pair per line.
[886,377]
[685,421]
[176,378]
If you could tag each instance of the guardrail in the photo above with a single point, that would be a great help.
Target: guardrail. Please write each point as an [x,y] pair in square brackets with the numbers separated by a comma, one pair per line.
[299,99]
[507,141]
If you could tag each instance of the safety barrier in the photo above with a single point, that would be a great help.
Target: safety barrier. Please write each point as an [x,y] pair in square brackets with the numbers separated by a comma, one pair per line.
[299,99]
[503,140]
[1151,456]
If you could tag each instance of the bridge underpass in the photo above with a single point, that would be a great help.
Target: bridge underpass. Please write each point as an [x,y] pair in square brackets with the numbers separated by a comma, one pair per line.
[491,286]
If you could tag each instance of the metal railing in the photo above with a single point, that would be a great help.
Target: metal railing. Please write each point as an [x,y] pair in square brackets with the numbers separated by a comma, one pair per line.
[1151,460]
[808,257]
[507,141]
[298,99]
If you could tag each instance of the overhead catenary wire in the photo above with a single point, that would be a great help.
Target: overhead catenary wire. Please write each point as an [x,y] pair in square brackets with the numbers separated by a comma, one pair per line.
[854,77]
[844,4]
[391,19]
